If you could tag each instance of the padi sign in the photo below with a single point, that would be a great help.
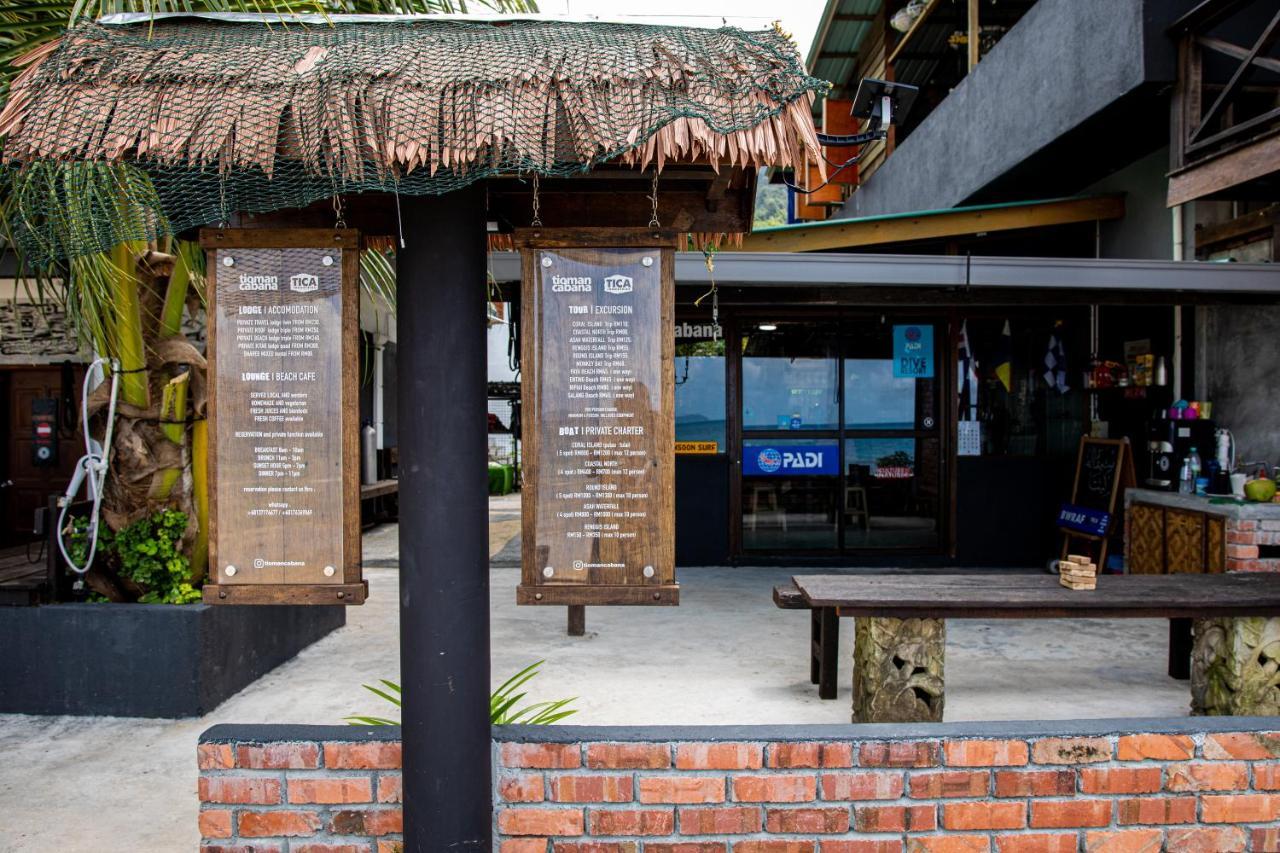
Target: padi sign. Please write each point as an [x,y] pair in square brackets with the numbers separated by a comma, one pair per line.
[821,458]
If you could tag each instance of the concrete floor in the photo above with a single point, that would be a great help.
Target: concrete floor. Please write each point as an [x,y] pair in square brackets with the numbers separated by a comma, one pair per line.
[726,655]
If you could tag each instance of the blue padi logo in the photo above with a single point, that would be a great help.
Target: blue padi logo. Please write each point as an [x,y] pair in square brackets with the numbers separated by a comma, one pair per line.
[769,460]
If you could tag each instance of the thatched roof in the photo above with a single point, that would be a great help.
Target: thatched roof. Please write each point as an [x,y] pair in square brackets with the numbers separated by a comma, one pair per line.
[360,102]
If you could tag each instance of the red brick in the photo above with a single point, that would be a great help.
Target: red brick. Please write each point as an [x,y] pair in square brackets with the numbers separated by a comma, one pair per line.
[628,756]
[256,847]
[390,788]
[275,824]
[362,756]
[686,847]
[1243,552]
[949,844]
[524,845]
[595,847]
[900,754]
[1047,814]
[776,788]
[1120,780]
[537,756]
[353,789]
[867,785]
[1035,783]
[895,818]
[392,846]
[1240,808]
[837,755]
[774,846]
[215,756]
[808,821]
[719,756]
[527,788]
[1224,839]
[986,753]
[984,815]
[215,823]
[591,789]
[1246,747]
[366,821]
[868,845]
[792,755]
[956,783]
[1157,810]
[1240,537]
[681,789]
[1266,840]
[1155,747]
[278,756]
[1124,841]
[328,848]
[1037,843]
[1208,776]
[532,821]
[1071,750]
[1266,777]
[632,821]
[239,790]
[733,820]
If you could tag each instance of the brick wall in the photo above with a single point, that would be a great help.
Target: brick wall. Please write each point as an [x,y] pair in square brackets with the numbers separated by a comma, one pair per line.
[1199,784]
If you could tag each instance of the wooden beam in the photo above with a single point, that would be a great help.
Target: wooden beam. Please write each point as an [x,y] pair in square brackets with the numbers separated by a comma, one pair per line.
[906,37]
[1235,51]
[879,231]
[973,33]
[1246,163]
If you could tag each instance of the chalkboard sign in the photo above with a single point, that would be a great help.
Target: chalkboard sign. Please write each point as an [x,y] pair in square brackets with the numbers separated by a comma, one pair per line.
[1104,466]
[599,428]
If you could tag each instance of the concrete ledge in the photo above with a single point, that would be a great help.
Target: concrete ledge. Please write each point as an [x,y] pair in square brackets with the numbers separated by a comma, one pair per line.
[146,660]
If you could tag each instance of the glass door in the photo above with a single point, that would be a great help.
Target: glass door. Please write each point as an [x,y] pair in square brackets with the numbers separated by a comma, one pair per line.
[840,436]
[892,466]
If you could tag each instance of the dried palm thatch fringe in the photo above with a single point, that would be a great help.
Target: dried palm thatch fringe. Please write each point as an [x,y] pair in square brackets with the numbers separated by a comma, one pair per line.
[374,102]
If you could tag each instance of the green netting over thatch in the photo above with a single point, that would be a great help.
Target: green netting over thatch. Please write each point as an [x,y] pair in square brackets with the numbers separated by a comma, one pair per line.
[129,132]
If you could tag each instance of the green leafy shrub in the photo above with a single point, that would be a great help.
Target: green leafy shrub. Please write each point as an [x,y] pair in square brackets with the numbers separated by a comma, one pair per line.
[147,552]
[504,703]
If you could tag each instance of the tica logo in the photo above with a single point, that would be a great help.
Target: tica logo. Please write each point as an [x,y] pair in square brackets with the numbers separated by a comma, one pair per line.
[304,283]
[618,284]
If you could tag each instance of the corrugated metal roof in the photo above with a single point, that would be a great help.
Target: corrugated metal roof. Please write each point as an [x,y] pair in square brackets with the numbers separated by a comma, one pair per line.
[840,37]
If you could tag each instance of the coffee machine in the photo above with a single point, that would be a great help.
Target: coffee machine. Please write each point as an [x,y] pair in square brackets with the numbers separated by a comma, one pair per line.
[1169,442]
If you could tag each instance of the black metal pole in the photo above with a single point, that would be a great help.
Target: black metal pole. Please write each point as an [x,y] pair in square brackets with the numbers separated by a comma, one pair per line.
[444,557]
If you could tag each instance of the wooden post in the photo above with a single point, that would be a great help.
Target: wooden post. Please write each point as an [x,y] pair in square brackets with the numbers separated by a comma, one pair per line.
[577,620]
[973,33]
[444,553]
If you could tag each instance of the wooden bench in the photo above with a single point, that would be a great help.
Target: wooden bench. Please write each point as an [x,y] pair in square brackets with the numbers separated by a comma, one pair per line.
[899,642]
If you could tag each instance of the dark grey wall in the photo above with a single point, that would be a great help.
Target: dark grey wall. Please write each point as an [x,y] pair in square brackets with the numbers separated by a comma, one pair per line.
[1240,355]
[1063,64]
[1146,231]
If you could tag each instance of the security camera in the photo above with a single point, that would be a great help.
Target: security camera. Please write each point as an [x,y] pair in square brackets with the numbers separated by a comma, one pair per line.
[881,103]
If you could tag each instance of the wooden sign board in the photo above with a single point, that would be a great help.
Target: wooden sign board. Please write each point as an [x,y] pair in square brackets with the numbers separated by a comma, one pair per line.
[1104,466]
[598,417]
[284,463]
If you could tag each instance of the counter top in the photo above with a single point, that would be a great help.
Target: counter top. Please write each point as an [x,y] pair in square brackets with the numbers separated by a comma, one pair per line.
[1195,503]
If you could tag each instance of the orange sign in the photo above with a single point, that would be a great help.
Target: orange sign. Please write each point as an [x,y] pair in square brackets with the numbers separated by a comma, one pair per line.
[703,447]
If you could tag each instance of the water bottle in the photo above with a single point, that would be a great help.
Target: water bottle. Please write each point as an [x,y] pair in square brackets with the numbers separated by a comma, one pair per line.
[1193,462]
[1186,483]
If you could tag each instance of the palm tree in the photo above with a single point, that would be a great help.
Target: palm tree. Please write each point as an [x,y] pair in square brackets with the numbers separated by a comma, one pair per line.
[129,304]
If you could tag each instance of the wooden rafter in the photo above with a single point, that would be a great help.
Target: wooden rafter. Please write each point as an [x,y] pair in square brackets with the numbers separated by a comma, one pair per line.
[1242,73]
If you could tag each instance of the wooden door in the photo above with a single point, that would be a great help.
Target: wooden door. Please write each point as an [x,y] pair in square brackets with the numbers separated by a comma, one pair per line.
[1215,544]
[27,485]
[1184,542]
[1146,540]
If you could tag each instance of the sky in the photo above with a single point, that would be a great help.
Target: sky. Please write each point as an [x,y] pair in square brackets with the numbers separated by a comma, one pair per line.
[798,17]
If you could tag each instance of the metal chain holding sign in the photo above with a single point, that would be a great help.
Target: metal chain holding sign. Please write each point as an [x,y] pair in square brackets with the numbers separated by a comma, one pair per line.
[536,222]
[653,199]
[709,258]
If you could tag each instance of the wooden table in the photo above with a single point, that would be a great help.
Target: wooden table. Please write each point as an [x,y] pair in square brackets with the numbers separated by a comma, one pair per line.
[899,641]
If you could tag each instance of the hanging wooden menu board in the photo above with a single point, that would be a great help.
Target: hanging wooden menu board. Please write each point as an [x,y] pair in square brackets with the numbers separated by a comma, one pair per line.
[599,429]
[284,456]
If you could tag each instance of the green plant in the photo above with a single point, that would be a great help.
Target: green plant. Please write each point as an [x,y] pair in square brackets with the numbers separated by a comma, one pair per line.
[504,703]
